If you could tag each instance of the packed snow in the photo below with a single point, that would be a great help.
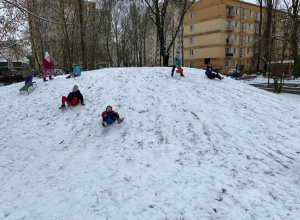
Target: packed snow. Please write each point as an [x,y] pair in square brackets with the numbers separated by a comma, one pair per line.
[189,148]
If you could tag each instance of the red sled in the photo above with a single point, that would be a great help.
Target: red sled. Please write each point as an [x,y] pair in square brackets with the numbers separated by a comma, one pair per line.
[180,70]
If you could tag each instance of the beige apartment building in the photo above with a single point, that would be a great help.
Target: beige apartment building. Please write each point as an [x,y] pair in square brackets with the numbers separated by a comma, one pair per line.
[226,31]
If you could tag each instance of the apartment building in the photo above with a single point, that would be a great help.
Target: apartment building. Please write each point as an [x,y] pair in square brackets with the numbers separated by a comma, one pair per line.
[226,31]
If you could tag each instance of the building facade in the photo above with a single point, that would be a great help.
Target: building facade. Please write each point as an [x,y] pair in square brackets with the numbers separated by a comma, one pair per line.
[226,31]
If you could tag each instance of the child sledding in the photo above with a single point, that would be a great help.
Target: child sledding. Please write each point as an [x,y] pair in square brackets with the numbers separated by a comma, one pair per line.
[73,98]
[109,116]
[212,75]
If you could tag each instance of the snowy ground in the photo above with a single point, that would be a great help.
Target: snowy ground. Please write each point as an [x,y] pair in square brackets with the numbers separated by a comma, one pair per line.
[189,148]
[262,79]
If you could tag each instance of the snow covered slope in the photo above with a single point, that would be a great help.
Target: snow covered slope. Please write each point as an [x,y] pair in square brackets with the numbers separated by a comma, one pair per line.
[189,148]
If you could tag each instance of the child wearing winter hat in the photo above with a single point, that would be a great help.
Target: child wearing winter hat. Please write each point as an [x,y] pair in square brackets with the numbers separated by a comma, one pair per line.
[47,66]
[73,98]
[177,63]
[109,117]
[26,70]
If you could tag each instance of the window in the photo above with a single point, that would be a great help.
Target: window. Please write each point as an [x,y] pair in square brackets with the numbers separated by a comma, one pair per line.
[191,27]
[229,10]
[254,39]
[191,15]
[234,63]
[191,40]
[236,24]
[243,13]
[227,50]
[243,27]
[248,51]
[227,63]
[235,37]
[249,39]
[234,50]
[229,25]
[191,52]
[250,26]
[228,39]
[191,64]
[247,62]
[241,52]
[242,40]
[236,11]
[250,14]
[256,28]
[257,16]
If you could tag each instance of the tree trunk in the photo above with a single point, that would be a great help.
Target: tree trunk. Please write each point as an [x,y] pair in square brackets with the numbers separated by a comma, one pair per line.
[84,62]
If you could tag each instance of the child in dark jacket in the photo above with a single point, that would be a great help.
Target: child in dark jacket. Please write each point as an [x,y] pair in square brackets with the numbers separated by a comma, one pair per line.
[212,75]
[109,117]
[73,98]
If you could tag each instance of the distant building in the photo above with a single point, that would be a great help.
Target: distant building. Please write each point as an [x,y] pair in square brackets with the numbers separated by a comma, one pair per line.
[226,31]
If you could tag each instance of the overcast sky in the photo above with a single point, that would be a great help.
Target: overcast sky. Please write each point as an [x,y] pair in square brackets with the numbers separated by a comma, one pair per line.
[251,1]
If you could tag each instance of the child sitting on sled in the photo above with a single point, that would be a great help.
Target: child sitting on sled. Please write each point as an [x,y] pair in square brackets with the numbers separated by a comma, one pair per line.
[109,117]
[73,98]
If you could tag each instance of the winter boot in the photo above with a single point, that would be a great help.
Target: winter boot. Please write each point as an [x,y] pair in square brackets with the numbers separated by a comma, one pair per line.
[62,106]
[105,124]
[45,80]
[50,78]
[181,74]
[120,120]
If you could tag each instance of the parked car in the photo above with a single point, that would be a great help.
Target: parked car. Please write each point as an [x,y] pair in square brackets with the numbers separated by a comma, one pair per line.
[58,72]
[234,73]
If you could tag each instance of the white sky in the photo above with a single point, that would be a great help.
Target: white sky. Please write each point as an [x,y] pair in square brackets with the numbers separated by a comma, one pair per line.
[251,1]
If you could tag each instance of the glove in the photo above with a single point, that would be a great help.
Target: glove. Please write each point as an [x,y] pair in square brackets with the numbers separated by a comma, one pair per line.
[68,102]
[82,104]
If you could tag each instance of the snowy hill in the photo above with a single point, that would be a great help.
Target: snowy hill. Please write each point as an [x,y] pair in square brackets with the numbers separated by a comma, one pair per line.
[189,148]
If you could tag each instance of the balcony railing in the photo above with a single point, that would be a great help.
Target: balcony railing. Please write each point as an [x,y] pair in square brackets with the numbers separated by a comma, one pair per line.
[228,54]
[230,14]
[230,27]
[229,41]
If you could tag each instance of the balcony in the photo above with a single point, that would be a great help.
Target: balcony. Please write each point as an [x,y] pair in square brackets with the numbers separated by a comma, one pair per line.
[229,41]
[230,28]
[228,54]
[230,14]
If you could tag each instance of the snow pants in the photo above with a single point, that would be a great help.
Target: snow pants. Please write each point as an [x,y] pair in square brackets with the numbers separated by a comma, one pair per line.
[72,102]
[46,72]
[111,118]
[28,79]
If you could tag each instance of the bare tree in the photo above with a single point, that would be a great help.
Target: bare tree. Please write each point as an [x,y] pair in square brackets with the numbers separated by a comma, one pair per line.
[158,10]
[259,35]
[293,9]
